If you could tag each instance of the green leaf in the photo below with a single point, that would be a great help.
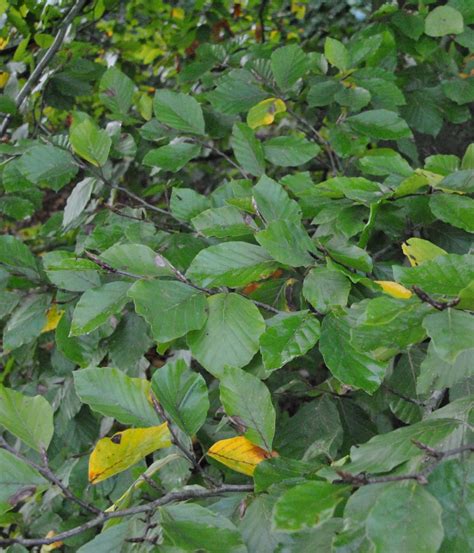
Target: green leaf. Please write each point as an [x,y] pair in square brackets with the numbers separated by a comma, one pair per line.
[436,373]
[454,209]
[452,484]
[230,335]
[273,202]
[90,142]
[307,505]
[111,539]
[172,157]
[17,258]
[186,203]
[460,91]
[325,288]
[190,527]
[171,308]
[290,151]
[414,517]
[346,363]
[223,222]
[386,451]
[459,181]
[48,165]
[236,92]
[182,394]
[451,331]
[348,254]
[288,63]
[288,335]
[26,322]
[323,93]
[66,271]
[387,322]
[247,149]
[384,161]
[116,91]
[380,124]
[28,418]
[231,264]
[113,394]
[287,242]
[358,189]
[97,305]
[445,274]
[336,54]
[179,111]
[444,20]
[15,476]
[136,259]
[78,200]
[246,397]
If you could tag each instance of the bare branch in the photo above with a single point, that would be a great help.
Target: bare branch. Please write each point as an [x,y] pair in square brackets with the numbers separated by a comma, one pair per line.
[100,519]
[363,479]
[439,305]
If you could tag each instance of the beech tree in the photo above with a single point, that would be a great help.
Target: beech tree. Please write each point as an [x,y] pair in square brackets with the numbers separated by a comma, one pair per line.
[236,276]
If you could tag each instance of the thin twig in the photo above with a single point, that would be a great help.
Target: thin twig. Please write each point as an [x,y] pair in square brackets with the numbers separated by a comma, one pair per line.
[363,479]
[103,265]
[43,63]
[439,305]
[261,19]
[46,472]
[171,497]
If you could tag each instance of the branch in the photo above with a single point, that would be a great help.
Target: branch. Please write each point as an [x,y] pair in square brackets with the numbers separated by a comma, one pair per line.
[100,519]
[261,18]
[43,63]
[439,305]
[363,479]
[46,472]
[103,265]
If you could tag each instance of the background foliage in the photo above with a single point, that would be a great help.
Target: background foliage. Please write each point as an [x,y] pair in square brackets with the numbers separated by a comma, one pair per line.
[236,276]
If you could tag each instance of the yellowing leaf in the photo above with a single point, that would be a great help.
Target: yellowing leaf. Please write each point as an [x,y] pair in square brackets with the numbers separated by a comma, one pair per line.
[4,76]
[124,449]
[298,8]
[51,546]
[53,316]
[264,112]
[239,454]
[177,13]
[418,250]
[394,289]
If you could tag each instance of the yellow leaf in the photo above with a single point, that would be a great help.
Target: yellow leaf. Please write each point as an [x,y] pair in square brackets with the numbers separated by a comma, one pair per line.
[264,112]
[53,316]
[177,13]
[4,76]
[394,289]
[124,449]
[298,8]
[239,454]
[51,546]
[418,250]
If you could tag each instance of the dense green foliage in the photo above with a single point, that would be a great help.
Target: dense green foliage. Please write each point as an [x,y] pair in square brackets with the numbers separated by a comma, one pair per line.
[236,279]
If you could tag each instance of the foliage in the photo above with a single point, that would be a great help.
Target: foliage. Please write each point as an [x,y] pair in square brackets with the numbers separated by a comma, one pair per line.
[236,276]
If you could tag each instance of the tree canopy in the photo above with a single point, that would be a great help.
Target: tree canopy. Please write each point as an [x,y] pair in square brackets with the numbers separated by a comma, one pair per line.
[236,276]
